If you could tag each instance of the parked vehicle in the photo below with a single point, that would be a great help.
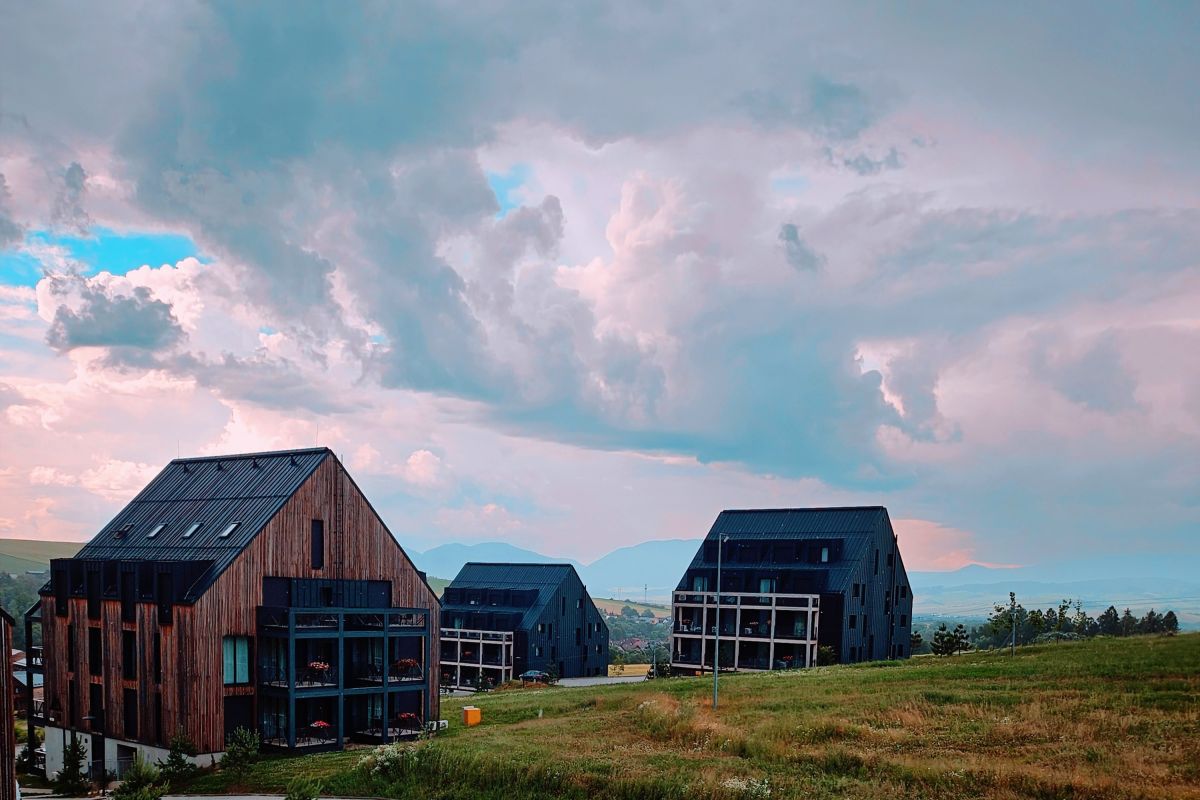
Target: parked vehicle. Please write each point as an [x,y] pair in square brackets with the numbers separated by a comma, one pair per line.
[534,676]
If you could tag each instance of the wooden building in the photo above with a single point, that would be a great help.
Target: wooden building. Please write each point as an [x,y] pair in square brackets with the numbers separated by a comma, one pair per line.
[504,619]
[259,591]
[792,581]
[8,735]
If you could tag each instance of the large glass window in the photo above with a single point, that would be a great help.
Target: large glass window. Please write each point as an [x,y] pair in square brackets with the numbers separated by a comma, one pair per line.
[237,660]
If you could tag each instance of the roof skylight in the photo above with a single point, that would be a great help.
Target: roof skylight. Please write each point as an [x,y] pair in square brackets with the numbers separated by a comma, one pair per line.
[195,527]
[230,528]
[157,530]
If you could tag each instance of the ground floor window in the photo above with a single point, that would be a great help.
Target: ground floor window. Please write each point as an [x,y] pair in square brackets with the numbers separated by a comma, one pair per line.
[237,660]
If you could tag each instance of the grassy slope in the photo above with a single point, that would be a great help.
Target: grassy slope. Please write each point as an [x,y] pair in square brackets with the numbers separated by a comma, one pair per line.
[19,555]
[1099,719]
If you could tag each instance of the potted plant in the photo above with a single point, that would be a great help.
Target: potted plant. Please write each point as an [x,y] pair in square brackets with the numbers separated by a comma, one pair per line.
[406,668]
[406,720]
[321,729]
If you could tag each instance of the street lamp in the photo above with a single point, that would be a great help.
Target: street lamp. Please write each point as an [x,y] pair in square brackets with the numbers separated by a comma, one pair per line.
[717,640]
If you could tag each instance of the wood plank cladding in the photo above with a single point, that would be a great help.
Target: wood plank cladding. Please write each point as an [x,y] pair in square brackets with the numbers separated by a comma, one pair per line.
[8,736]
[357,546]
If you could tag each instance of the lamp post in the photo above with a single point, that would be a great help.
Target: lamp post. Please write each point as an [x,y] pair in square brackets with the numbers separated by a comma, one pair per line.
[717,641]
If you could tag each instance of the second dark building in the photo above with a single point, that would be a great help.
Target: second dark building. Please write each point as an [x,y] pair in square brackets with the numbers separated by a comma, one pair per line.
[500,620]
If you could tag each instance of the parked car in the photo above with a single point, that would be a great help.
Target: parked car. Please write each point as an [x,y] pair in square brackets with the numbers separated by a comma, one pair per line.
[534,676]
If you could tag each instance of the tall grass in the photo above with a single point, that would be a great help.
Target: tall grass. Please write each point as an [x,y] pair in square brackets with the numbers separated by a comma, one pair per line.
[1098,719]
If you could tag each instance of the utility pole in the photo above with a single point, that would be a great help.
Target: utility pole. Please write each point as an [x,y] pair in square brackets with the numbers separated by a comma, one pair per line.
[1012,600]
[717,641]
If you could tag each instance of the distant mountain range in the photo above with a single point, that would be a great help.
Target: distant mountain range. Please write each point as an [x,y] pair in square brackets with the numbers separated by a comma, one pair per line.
[651,570]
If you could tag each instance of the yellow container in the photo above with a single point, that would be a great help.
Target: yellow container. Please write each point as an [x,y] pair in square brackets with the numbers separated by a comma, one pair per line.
[472,716]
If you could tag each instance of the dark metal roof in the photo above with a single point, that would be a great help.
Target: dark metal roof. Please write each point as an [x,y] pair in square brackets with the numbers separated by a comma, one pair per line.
[793,523]
[213,492]
[545,578]
[856,527]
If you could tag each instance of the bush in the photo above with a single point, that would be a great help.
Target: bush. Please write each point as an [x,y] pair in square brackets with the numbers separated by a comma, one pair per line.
[25,760]
[241,753]
[142,781]
[826,656]
[72,780]
[302,788]
[178,765]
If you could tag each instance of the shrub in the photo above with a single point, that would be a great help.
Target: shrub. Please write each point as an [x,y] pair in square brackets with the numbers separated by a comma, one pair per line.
[241,752]
[25,760]
[142,781]
[392,761]
[826,656]
[302,788]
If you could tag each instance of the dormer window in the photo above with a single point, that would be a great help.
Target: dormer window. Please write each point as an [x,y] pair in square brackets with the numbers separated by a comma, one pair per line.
[123,531]
[157,530]
[824,555]
[194,527]
[230,528]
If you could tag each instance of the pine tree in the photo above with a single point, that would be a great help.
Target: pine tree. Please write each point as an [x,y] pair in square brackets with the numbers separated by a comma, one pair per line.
[915,642]
[178,765]
[241,751]
[961,640]
[1151,623]
[1128,623]
[943,641]
[1170,622]
[1110,622]
[72,779]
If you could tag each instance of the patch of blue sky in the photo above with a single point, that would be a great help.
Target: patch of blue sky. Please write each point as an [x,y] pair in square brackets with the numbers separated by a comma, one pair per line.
[789,184]
[104,250]
[505,185]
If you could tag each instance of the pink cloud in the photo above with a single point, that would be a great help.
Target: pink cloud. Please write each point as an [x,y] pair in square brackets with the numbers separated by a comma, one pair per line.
[930,546]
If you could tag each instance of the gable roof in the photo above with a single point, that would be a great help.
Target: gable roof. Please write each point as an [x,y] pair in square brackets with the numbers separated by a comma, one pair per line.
[857,527]
[544,578]
[212,492]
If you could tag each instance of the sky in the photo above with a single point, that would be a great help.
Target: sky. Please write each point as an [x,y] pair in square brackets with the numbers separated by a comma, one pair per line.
[577,276]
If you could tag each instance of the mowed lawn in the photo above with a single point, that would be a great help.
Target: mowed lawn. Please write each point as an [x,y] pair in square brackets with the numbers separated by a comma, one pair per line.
[1110,718]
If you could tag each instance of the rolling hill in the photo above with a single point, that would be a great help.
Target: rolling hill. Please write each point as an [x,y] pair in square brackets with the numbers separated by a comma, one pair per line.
[26,555]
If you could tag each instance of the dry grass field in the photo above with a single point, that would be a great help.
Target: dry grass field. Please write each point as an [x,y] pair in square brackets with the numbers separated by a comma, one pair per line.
[1108,718]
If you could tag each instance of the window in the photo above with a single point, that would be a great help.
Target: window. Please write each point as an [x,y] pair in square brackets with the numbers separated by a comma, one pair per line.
[904,591]
[230,528]
[191,530]
[317,543]
[158,657]
[537,650]
[876,562]
[699,583]
[579,603]
[156,530]
[903,620]
[578,636]
[824,555]
[237,660]
[129,655]
[123,531]
[95,652]
[72,649]
[766,585]
[130,709]
[564,605]
[853,620]
[541,627]
[857,590]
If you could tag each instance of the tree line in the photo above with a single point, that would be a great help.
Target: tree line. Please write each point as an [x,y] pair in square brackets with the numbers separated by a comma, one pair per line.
[1067,620]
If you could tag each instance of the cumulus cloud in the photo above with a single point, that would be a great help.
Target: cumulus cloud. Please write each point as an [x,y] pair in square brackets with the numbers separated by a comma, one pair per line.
[131,322]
